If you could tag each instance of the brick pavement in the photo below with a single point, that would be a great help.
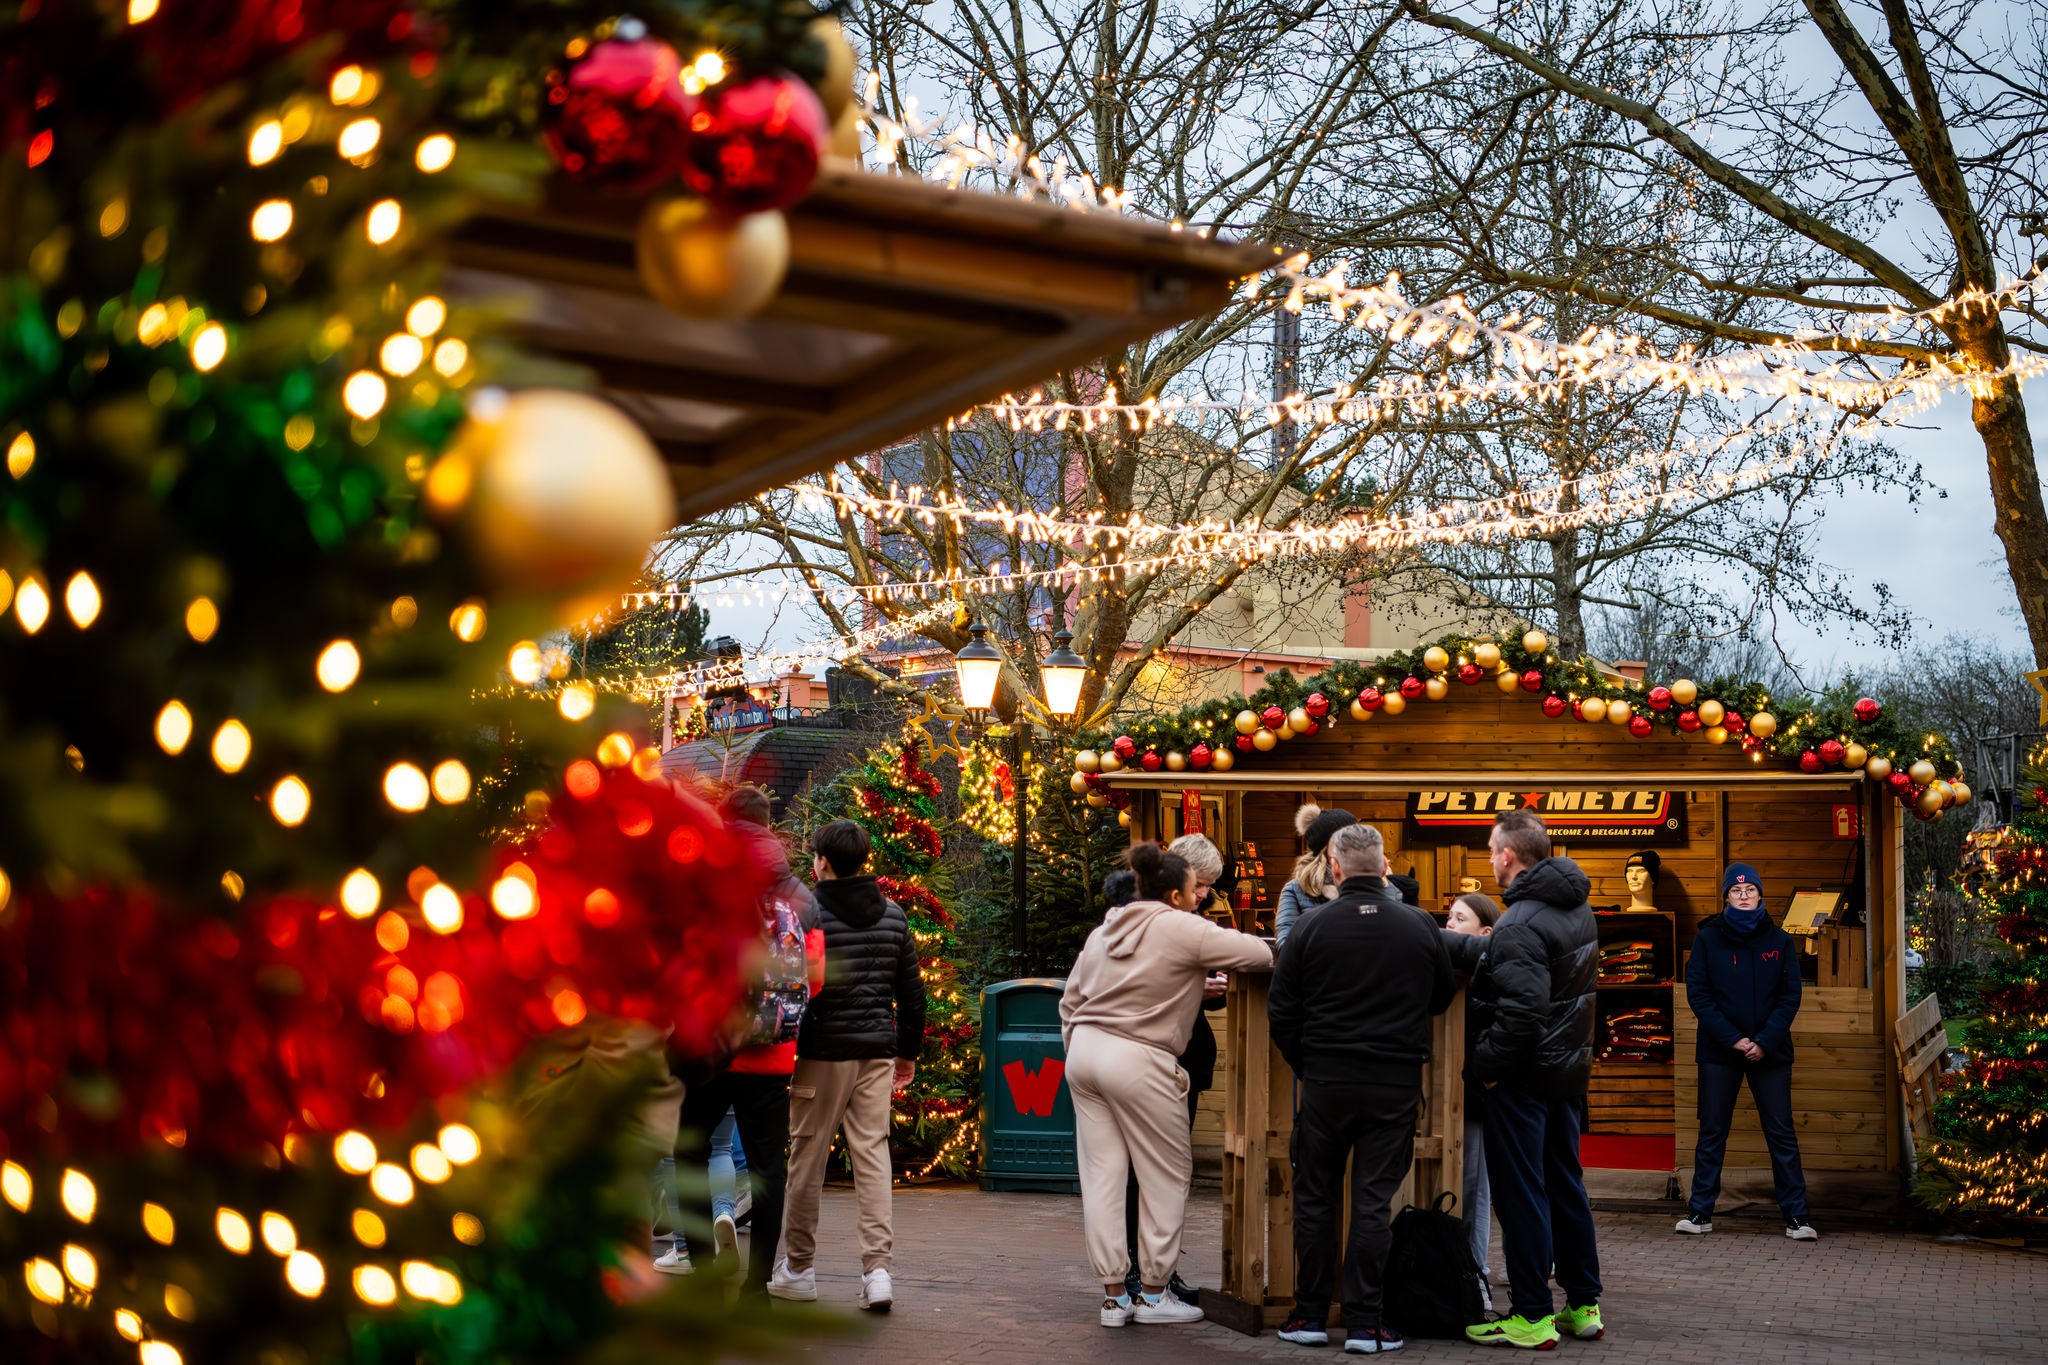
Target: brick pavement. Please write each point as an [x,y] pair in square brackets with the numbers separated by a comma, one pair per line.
[1001,1278]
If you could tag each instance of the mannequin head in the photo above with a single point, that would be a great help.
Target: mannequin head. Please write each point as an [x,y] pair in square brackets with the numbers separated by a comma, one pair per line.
[1641,875]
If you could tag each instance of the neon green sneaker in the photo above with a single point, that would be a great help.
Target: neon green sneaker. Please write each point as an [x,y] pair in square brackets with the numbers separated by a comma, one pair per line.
[1540,1335]
[1583,1323]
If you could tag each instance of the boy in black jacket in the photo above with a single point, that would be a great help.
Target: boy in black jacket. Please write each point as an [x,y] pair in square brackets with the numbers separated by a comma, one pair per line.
[859,1043]
[1352,995]
[1742,982]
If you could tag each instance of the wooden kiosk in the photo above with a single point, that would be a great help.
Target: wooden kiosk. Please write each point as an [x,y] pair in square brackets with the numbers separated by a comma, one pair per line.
[1430,779]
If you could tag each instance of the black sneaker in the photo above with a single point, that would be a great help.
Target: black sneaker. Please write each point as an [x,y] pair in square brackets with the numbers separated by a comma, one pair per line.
[1303,1332]
[1799,1230]
[1372,1341]
[1182,1290]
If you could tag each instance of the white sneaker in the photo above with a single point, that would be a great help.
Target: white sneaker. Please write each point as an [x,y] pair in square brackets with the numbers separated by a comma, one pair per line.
[1697,1227]
[674,1261]
[876,1292]
[1168,1311]
[725,1237]
[1799,1230]
[798,1286]
[742,1205]
[1116,1312]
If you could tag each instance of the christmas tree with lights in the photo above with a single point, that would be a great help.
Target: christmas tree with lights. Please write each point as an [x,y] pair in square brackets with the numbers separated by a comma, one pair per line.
[1989,1156]
[895,797]
[296,1055]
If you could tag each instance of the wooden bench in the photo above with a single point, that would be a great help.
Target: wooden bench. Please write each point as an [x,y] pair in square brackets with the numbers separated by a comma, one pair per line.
[1921,1040]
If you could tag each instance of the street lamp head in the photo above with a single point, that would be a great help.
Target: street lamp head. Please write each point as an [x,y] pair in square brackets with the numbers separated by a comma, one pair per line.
[1064,672]
[978,666]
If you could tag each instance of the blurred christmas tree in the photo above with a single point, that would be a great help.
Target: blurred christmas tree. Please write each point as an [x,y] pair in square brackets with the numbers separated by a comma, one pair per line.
[1989,1155]
[270,542]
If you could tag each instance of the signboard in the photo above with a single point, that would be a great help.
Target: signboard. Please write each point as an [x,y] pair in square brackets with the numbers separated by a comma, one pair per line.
[1595,815]
[739,713]
[1191,812]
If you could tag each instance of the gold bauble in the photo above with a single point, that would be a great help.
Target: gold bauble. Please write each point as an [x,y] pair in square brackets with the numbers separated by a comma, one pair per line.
[697,262]
[835,89]
[1763,724]
[1079,782]
[1176,761]
[1619,712]
[1286,730]
[1508,681]
[1097,800]
[1087,761]
[1717,734]
[1878,769]
[1299,720]
[566,494]
[1247,722]
[615,750]
[1224,761]
[1923,773]
[1394,704]
[1486,655]
[1265,741]
[1854,755]
[1685,691]
[1358,711]
[1593,708]
[1930,801]
[1945,791]
[1435,659]
[1534,643]
[1111,763]
[1436,689]
[1712,712]
[1962,792]
[1123,817]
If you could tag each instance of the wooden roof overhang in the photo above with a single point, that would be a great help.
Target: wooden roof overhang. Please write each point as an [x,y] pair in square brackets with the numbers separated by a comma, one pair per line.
[1341,779]
[906,303]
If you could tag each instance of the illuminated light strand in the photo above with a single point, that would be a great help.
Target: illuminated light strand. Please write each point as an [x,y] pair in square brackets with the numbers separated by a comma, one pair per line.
[966,149]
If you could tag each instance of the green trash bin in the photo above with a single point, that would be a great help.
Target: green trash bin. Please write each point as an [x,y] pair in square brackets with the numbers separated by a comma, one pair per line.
[1027,1116]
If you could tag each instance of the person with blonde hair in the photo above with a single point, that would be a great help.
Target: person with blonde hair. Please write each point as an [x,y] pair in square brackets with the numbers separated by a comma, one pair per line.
[1312,885]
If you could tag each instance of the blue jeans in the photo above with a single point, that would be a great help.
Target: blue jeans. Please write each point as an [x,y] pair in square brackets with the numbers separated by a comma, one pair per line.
[727,1165]
[1478,1208]
[1539,1196]
[1771,1087]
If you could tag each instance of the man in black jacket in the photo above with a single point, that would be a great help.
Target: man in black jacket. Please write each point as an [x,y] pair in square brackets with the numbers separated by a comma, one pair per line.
[1532,990]
[1352,994]
[859,1042]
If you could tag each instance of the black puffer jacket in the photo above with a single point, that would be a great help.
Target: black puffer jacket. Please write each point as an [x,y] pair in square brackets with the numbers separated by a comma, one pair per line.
[1532,984]
[873,1002]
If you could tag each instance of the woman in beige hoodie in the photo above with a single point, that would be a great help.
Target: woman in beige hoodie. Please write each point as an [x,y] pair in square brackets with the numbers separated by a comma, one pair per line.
[1128,1009]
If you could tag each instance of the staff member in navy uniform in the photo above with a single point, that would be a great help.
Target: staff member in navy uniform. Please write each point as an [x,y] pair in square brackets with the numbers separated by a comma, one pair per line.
[1742,982]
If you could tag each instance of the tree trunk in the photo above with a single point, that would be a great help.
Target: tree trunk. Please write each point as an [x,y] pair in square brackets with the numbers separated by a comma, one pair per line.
[1566,590]
[2000,417]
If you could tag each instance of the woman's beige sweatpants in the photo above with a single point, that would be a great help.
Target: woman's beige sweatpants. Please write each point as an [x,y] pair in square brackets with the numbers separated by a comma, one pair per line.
[1130,1114]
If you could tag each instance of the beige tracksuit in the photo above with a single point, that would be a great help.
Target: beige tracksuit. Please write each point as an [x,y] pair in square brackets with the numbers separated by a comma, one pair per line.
[1128,1009]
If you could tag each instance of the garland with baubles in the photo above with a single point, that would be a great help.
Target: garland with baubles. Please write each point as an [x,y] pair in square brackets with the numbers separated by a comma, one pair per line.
[1834,732]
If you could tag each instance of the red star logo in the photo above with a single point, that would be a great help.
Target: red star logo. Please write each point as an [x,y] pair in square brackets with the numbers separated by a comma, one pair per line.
[1531,800]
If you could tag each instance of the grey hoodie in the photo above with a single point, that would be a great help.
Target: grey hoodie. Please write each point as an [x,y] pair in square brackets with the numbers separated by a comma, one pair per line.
[1140,973]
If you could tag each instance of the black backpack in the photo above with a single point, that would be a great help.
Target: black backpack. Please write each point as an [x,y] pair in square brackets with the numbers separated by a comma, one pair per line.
[1432,1283]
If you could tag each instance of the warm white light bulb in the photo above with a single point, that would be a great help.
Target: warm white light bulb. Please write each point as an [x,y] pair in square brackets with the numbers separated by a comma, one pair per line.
[338,666]
[360,894]
[174,727]
[405,787]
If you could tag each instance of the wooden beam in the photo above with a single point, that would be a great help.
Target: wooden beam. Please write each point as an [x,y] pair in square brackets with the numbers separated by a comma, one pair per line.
[1343,780]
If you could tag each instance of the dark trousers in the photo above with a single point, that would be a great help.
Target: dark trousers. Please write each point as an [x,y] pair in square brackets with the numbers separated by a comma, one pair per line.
[1771,1087]
[1373,1126]
[1539,1196]
[1131,1192]
[760,1107]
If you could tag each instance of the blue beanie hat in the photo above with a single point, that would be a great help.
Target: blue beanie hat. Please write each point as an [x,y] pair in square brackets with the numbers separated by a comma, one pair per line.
[1739,874]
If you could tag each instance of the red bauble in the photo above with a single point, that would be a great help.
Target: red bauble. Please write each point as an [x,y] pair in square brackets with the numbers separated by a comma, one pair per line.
[1900,783]
[1469,674]
[1733,722]
[755,145]
[1313,726]
[1640,726]
[1200,757]
[1411,688]
[1660,699]
[1244,744]
[1867,710]
[1273,718]
[1809,762]
[1831,752]
[1553,706]
[1125,747]
[1151,762]
[1751,744]
[1532,681]
[1688,720]
[1317,706]
[1371,699]
[614,118]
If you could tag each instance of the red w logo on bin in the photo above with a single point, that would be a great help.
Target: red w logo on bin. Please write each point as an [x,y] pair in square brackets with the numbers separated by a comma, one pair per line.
[1035,1092]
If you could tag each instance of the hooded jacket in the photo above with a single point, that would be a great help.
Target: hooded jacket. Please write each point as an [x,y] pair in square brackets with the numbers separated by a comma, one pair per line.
[873,1004]
[1140,973]
[779,1059]
[1532,984]
[1743,986]
[1355,988]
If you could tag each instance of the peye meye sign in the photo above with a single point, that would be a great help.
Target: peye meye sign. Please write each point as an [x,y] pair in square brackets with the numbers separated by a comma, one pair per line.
[1586,815]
